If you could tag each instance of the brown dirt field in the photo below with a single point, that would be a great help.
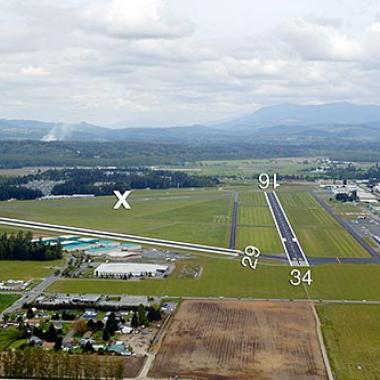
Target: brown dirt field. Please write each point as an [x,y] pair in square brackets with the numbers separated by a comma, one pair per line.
[241,340]
[132,366]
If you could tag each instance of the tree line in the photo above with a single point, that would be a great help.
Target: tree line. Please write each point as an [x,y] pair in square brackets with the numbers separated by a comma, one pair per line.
[21,247]
[15,154]
[8,191]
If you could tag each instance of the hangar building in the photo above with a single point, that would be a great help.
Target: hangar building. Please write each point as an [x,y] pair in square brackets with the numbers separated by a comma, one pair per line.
[126,270]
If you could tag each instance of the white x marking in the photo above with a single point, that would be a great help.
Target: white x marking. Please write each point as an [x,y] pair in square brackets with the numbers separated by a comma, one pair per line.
[122,199]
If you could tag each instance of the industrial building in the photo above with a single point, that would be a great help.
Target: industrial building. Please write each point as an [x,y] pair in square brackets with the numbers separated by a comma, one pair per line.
[93,246]
[127,270]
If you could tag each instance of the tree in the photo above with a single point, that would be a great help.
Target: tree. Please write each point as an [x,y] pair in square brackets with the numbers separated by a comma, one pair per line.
[58,344]
[106,335]
[51,334]
[143,320]
[88,347]
[135,320]
[112,324]
[29,313]
[154,314]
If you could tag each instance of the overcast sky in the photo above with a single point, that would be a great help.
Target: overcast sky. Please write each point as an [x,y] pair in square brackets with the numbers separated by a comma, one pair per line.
[155,62]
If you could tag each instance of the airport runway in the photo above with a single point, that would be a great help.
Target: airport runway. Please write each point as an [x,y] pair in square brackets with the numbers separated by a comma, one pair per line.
[117,236]
[293,249]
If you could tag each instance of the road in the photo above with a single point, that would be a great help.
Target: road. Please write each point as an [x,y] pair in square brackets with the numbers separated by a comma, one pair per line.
[123,237]
[293,250]
[232,243]
[347,226]
[30,295]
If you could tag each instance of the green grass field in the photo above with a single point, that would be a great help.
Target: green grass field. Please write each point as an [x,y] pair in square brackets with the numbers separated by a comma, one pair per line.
[7,300]
[226,277]
[352,334]
[201,215]
[264,238]
[319,233]
[8,336]
[27,270]
[255,216]
[220,277]
[255,224]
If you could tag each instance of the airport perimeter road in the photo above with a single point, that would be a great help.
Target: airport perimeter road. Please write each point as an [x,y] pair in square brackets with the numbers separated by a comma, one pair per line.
[347,226]
[116,236]
[288,237]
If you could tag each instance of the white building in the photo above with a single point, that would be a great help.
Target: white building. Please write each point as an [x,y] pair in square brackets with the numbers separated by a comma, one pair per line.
[124,270]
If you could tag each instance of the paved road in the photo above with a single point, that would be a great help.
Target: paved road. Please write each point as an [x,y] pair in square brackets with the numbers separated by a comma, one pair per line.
[232,243]
[346,225]
[30,295]
[123,237]
[289,240]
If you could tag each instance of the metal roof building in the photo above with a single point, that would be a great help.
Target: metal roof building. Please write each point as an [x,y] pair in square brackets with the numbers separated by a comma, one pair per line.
[130,269]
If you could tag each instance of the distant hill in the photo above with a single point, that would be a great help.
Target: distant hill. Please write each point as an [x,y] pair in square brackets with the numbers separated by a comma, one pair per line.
[282,122]
[297,115]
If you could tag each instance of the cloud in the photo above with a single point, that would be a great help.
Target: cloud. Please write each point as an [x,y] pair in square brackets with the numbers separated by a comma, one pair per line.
[141,19]
[33,71]
[110,60]
[318,40]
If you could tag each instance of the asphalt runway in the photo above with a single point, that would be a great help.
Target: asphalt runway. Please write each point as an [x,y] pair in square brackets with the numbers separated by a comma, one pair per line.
[289,239]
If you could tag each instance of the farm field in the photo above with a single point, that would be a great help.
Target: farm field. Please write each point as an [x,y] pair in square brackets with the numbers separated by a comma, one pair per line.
[27,270]
[273,340]
[251,168]
[351,334]
[319,233]
[7,300]
[201,215]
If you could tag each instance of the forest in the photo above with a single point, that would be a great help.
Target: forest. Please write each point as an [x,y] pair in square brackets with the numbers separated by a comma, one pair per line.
[21,246]
[15,154]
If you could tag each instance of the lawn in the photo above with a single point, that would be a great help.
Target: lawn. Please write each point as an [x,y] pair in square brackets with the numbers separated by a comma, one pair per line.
[226,277]
[319,233]
[256,225]
[264,238]
[27,270]
[8,336]
[346,282]
[352,334]
[201,215]
[6,300]
[329,242]
[252,198]
[255,216]
[220,277]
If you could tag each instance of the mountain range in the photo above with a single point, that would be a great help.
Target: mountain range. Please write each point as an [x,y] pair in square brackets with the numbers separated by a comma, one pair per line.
[286,122]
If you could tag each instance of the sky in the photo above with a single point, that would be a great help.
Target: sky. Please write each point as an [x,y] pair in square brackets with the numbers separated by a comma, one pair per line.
[165,63]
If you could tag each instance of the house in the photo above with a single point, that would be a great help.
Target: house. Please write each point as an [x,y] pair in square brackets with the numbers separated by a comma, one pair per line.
[35,340]
[126,329]
[119,349]
[48,345]
[89,314]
